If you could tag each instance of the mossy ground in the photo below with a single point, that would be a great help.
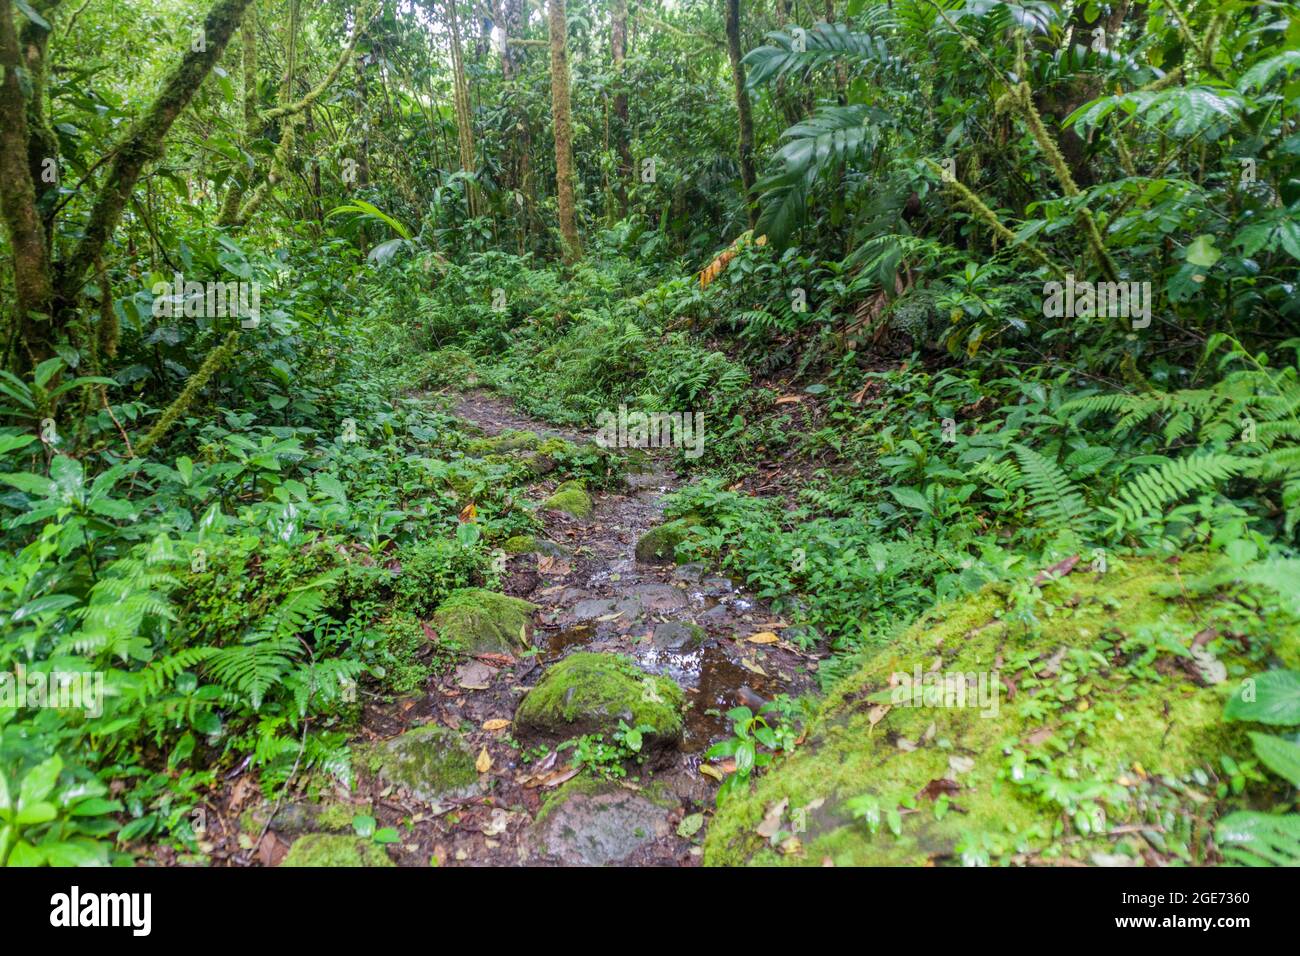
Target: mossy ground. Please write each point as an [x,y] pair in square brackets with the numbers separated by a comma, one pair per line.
[1108,726]
[526,454]
[503,443]
[570,497]
[327,849]
[589,693]
[519,544]
[479,621]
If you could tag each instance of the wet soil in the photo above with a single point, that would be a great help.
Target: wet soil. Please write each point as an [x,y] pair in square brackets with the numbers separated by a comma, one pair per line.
[686,622]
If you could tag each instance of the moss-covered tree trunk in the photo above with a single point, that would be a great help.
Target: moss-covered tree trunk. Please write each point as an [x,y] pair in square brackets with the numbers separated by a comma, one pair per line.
[27,235]
[562,118]
[142,145]
[43,145]
[744,118]
[49,295]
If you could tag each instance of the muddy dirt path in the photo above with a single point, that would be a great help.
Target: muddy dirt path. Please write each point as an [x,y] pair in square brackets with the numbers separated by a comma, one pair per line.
[684,622]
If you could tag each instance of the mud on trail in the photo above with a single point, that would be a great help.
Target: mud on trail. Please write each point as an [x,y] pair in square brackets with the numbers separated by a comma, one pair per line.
[593,595]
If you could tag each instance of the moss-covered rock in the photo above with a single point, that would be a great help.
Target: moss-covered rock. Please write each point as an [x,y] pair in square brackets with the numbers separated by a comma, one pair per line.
[519,544]
[660,543]
[528,544]
[507,441]
[593,822]
[570,497]
[326,849]
[479,621]
[301,817]
[1105,719]
[590,693]
[432,762]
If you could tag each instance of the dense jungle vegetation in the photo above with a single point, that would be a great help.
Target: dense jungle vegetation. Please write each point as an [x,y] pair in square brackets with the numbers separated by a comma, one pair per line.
[312,309]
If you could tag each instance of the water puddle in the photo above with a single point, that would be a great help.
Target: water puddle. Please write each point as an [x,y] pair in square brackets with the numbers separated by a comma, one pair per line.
[561,641]
[714,684]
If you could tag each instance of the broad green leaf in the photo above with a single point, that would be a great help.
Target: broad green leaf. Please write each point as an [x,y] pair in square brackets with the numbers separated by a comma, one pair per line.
[1202,252]
[29,483]
[40,780]
[1270,698]
[910,498]
[29,814]
[10,443]
[1279,755]
[26,855]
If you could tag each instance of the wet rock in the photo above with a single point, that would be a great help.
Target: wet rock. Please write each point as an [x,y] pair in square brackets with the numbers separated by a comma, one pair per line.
[551,549]
[325,849]
[479,621]
[594,608]
[674,635]
[432,762]
[588,823]
[692,573]
[570,497]
[718,614]
[590,693]
[528,544]
[659,597]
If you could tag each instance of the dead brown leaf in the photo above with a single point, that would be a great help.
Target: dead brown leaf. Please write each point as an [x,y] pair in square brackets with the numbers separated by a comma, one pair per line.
[1059,570]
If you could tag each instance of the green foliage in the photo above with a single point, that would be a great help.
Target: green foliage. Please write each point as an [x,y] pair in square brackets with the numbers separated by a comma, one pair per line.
[609,760]
[757,739]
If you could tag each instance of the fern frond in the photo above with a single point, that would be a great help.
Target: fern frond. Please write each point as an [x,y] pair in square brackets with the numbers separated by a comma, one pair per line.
[1150,493]
[1052,495]
[155,677]
[253,669]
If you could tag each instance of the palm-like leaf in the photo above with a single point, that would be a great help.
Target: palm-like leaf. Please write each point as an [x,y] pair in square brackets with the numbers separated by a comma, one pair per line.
[835,136]
[824,43]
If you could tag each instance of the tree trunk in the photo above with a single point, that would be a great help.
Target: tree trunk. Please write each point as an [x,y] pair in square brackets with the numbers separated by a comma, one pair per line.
[363,103]
[744,119]
[43,145]
[248,41]
[563,121]
[143,144]
[27,236]
[464,121]
[48,296]
[622,131]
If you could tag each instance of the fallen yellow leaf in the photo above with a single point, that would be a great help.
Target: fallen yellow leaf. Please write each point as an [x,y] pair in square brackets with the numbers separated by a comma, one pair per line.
[484,762]
[496,723]
[711,771]
[763,637]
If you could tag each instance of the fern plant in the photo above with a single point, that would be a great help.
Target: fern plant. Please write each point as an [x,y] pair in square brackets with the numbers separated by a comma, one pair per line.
[1052,496]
